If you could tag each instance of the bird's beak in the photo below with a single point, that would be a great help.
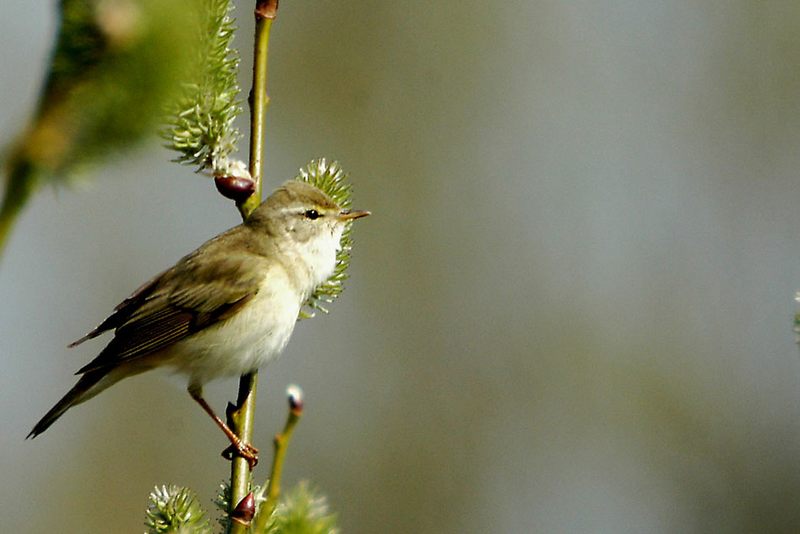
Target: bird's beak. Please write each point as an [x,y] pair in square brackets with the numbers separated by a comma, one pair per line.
[349,215]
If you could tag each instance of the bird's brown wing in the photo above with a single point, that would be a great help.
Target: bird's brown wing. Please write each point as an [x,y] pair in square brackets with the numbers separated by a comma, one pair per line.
[164,311]
[123,310]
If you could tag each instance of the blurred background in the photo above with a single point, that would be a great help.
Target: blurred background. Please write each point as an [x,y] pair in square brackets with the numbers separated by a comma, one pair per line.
[571,311]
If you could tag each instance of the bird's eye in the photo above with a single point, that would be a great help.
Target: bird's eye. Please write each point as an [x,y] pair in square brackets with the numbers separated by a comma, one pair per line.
[311,214]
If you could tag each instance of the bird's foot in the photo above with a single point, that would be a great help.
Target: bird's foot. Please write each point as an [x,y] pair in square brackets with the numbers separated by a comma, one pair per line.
[245,450]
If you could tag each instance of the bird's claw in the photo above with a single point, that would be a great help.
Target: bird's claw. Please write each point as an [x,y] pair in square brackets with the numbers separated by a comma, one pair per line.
[245,450]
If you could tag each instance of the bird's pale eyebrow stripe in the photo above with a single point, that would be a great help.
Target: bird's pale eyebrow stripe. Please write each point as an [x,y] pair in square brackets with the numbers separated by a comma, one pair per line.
[297,210]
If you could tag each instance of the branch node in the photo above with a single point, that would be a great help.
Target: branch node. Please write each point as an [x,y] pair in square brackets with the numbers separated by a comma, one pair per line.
[266,9]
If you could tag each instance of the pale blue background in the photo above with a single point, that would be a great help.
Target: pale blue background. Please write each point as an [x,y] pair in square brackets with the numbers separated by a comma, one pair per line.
[571,311]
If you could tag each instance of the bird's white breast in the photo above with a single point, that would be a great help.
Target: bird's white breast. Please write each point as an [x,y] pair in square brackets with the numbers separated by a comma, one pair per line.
[253,336]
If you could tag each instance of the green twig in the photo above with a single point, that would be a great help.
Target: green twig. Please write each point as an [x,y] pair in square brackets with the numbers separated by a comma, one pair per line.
[265,13]
[20,186]
[243,414]
[240,420]
[281,444]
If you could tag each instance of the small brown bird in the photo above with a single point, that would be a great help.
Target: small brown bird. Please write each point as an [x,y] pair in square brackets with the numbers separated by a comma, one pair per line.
[225,309]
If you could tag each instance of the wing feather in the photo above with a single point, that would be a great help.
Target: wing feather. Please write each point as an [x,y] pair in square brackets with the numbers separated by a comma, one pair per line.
[121,311]
[198,292]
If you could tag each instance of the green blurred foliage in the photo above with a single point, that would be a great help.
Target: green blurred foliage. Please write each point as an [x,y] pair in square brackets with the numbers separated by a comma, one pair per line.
[115,66]
[302,511]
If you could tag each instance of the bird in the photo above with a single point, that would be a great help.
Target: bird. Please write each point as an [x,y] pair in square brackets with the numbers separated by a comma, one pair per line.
[226,308]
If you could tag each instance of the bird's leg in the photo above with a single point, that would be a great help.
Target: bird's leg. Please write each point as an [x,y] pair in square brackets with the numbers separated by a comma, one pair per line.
[245,450]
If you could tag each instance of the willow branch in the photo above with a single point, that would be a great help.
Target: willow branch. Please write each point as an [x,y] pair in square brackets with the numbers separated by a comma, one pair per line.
[265,13]
[21,185]
[281,444]
[243,414]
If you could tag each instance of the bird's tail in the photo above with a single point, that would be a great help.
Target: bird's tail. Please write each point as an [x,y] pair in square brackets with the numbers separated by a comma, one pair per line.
[89,385]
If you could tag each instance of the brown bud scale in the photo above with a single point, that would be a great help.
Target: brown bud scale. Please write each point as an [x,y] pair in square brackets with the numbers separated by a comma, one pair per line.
[236,188]
[245,510]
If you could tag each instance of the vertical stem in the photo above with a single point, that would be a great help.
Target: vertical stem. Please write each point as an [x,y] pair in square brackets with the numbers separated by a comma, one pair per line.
[20,185]
[240,420]
[281,444]
[243,413]
[259,100]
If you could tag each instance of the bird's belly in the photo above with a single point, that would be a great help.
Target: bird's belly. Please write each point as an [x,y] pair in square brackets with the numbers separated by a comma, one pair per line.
[250,338]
